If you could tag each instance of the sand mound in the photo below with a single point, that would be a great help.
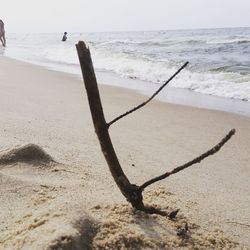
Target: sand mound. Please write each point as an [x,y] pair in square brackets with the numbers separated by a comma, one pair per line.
[51,225]
[29,153]
[125,228]
[51,230]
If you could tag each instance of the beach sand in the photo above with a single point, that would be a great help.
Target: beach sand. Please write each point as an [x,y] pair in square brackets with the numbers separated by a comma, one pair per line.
[56,189]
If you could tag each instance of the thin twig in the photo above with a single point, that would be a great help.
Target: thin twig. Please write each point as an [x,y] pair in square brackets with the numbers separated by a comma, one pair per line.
[144,103]
[190,163]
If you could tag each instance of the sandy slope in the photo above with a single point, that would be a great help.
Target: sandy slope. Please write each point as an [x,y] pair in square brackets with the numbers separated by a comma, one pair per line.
[60,195]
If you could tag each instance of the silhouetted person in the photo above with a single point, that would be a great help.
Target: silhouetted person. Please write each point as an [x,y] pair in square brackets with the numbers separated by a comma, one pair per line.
[2,33]
[64,37]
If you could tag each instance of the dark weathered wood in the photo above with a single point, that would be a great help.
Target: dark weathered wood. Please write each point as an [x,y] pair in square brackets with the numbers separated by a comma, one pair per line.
[133,193]
[101,128]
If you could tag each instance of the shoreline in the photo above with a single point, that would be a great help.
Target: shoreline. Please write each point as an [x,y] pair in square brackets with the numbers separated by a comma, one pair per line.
[180,96]
[68,199]
[174,95]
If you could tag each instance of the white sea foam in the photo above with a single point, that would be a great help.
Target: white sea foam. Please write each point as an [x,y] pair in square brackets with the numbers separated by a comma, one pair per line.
[219,60]
[231,85]
[225,41]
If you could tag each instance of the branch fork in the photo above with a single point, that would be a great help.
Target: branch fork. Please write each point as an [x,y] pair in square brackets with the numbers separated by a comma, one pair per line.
[132,192]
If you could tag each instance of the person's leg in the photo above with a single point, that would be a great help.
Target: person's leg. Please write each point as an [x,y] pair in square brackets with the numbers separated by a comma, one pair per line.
[1,41]
[4,40]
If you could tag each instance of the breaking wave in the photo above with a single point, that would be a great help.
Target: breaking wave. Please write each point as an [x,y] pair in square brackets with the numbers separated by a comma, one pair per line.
[219,58]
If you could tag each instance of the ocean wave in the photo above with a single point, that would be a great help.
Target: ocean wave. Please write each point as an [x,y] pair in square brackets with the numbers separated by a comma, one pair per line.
[193,42]
[218,81]
[221,83]
[131,67]
[230,85]
[241,69]
[137,43]
[214,69]
[228,41]
[162,43]
[244,41]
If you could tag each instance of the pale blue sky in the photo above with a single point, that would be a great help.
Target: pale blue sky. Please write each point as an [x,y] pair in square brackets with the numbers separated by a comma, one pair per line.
[121,15]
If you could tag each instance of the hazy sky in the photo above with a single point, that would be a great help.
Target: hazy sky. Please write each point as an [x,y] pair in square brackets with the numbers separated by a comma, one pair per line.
[119,15]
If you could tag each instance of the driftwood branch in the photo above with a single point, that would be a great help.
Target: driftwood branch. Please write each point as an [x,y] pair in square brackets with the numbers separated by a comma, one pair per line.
[133,193]
[98,118]
[101,127]
[198,159]
[147,101]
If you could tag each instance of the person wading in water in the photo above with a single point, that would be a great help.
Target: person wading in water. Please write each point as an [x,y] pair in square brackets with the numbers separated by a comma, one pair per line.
[2,33]
[64,37]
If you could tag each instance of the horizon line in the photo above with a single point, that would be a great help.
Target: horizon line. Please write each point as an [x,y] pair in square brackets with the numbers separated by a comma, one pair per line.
[142,30]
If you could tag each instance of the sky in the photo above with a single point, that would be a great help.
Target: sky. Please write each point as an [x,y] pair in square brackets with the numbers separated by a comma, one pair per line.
[25,16]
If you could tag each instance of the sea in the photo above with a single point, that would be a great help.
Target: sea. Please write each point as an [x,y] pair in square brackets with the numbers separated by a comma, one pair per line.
[218,69]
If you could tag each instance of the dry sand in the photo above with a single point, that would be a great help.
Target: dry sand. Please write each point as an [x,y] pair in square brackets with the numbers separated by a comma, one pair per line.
[56,190]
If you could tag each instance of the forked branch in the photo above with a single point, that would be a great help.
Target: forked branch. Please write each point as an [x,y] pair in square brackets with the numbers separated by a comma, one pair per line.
[133,193]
